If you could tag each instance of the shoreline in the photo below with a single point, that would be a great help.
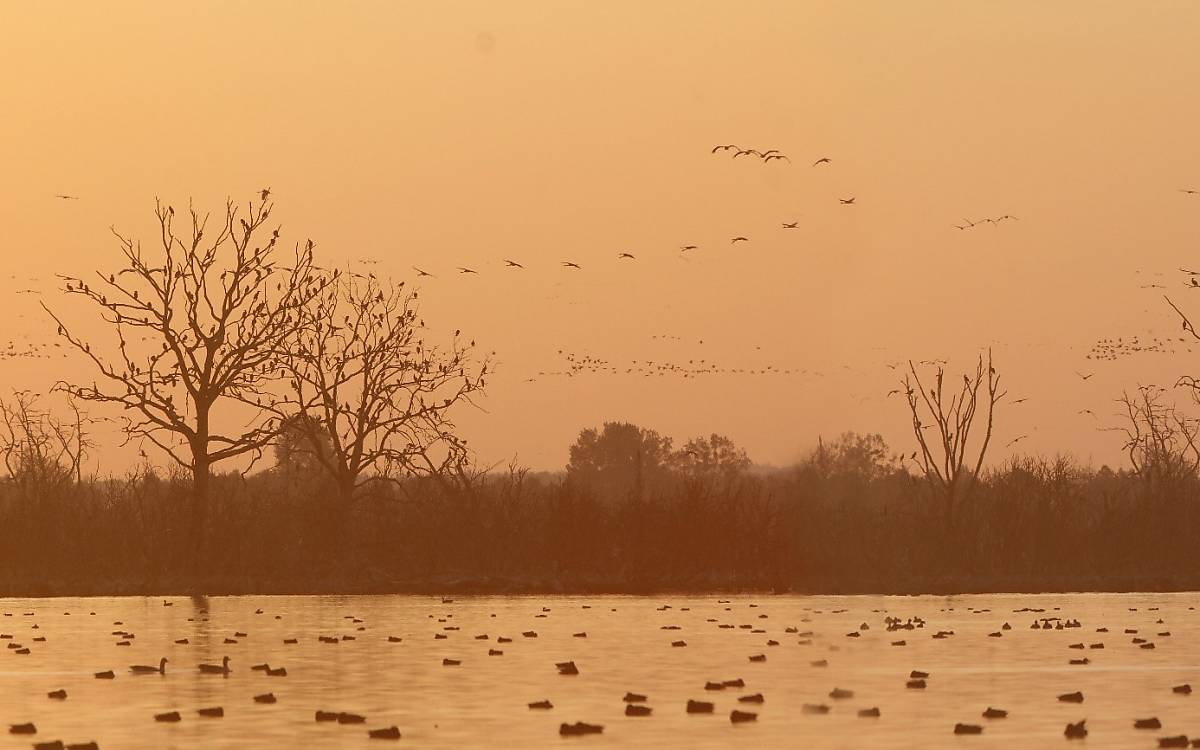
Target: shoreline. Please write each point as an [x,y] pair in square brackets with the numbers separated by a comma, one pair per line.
[509,587]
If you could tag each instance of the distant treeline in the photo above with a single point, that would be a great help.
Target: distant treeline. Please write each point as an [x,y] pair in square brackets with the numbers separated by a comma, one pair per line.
[629,514]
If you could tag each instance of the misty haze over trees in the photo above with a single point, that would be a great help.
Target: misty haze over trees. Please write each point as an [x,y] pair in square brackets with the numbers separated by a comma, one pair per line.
[221,346]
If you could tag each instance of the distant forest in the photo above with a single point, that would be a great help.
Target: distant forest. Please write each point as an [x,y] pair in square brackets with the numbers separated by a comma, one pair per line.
[374,489]
[631,513]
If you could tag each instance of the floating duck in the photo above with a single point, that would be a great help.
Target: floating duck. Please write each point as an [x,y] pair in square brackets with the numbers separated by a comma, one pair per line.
[1076,731]
[387,733]
[567,668]
[699,707]
[214,669]
[143,669]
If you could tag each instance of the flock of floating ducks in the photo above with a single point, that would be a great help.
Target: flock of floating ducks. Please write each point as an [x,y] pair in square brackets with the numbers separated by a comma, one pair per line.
[744,617]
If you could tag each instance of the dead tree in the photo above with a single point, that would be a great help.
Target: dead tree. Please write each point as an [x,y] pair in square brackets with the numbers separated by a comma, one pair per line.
[378,398]
[1161,441]
[195,322]
[39,447]
[944,453]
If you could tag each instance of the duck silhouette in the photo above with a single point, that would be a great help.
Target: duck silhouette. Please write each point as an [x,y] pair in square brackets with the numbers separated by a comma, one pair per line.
[214,669]
[143,669]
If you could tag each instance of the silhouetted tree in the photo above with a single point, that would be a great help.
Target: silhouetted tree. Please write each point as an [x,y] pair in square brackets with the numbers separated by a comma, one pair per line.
[713,458]
[39,447]
[198,321]
[620,460]
[852,454]
[950,416]
[377,398]
[1160,440]
[300,441]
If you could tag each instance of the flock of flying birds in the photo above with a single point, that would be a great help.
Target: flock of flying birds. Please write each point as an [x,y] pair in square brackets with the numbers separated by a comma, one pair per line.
[1108,349]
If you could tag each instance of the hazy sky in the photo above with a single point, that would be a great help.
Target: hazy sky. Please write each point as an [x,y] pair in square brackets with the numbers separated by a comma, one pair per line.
[461,133]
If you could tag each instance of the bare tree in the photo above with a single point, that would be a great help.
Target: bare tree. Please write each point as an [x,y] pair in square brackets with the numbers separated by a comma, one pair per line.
[198,321]
[39,447]
[1160,440]
[944,454]
[378,398]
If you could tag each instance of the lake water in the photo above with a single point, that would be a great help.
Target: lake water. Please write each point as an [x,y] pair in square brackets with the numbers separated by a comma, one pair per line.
[482,702]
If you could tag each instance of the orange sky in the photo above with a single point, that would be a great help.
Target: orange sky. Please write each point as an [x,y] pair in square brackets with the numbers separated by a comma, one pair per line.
[460,133]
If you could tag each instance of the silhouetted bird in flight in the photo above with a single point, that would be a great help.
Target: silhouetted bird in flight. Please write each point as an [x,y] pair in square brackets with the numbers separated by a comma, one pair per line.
[1085,377]
[266,193]
[822,160]
[67,197]
[1016,440]
[847,201]
[739,239]
[462,269]
[746,151]
[1189,191]
[569,264]
[422,273]
[724,148]
[512,263]
[689,247]
[626,255]
[792,225]
[776,156]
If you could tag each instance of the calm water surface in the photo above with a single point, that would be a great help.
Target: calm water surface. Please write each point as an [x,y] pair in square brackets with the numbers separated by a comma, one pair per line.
[483,701]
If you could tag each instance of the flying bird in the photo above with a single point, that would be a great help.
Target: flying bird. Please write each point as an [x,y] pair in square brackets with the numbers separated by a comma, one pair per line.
[689,247]
[739,239]
[569,264]
[1189,191]
[776,156]
[67,197]
[512,263]
[1016,440]
[792,225]
[724,148]
[626,255]
[822,160]
[847,201]
[423,273]
[463,269]
[744,152]
[1085,377]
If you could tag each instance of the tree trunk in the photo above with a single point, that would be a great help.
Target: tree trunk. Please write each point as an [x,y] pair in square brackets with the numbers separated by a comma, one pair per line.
[201,472]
